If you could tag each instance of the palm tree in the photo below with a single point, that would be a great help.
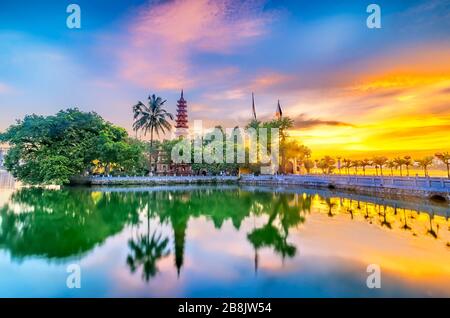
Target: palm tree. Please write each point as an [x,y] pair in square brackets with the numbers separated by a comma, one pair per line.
[425,163]
[326,164]
[408,162]
[391,165]
[308,164]
[364,164]
[356,164]
[296,152]
[347,165]
[399,162]
[445,158]
[151,117]
[254,123]
[379,162]
[339,163]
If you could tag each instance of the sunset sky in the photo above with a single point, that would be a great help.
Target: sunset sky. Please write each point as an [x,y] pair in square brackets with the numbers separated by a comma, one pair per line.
[350,89]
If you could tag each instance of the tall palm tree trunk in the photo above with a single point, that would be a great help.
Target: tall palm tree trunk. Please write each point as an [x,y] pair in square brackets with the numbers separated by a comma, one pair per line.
[151,149]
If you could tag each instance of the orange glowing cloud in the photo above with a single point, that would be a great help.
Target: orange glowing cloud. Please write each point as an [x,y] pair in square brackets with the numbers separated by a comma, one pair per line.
[397,104]
[269,80]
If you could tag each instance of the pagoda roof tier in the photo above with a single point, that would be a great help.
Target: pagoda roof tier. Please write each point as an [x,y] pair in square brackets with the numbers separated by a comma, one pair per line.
[181,116]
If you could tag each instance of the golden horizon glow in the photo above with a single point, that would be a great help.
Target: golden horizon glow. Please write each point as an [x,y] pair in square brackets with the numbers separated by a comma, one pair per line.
[400,107]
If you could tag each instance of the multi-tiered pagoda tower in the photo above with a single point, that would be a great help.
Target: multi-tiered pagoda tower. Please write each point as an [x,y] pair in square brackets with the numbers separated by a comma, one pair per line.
[182,128]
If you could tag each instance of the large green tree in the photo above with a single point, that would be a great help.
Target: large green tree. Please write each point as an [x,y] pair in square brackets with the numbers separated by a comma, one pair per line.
[53,149]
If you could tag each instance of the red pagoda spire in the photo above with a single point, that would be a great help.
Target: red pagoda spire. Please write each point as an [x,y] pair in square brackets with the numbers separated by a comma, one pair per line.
[181,118]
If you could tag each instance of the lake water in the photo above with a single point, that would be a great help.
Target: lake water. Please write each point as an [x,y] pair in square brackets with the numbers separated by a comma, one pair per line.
[226,241]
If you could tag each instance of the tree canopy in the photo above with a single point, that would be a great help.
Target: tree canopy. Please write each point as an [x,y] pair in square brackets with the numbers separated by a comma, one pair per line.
[53,149]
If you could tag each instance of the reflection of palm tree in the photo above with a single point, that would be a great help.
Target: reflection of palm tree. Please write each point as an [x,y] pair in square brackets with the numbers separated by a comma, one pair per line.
[366,216]
[330,206]
[431,231]
[405,225]
[385,222]
[145,252]
[256,257]
[349,209]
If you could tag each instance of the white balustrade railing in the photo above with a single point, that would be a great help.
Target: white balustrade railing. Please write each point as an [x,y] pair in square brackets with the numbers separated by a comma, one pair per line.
[419,183]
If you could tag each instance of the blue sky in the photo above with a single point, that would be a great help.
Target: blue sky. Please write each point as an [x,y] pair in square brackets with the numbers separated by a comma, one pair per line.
[318,58]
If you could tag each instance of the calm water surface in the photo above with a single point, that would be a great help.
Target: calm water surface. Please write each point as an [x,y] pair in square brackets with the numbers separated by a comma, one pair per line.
[220,241]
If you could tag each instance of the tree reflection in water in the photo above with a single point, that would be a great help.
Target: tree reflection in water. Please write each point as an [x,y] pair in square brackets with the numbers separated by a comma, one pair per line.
[57,224]
[145,251]
[287,210]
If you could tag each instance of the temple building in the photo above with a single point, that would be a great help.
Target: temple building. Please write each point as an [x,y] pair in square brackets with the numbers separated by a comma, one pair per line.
[182,127]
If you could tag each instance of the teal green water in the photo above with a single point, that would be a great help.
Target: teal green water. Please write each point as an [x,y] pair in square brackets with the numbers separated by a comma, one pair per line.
[219,241]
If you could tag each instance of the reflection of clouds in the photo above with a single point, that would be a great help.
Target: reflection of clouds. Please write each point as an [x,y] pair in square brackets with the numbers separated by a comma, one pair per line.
[164,284]
[221,244]
[395,250]
[4,196]
[332,255]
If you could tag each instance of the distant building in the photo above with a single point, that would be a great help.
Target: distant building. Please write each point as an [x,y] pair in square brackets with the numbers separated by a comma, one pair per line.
[166,167]
[182,127]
